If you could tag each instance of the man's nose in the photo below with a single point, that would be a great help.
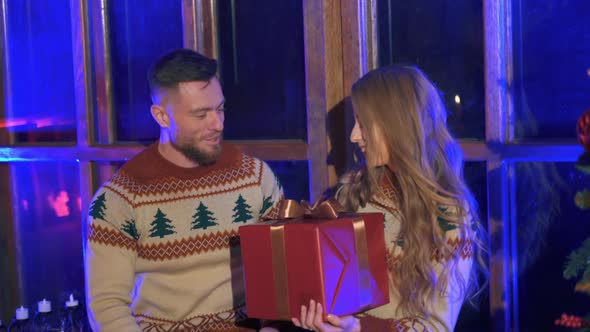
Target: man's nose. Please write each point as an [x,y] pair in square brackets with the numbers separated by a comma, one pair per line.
[217,120]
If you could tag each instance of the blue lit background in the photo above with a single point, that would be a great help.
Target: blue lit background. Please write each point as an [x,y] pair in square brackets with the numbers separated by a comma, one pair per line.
[262,69]
[40,73]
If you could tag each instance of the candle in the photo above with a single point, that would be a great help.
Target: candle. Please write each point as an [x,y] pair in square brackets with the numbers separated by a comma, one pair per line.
[71,302]
[22,313]
[44,306]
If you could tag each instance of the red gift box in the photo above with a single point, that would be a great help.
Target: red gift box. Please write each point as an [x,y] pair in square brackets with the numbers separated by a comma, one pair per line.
[338,262]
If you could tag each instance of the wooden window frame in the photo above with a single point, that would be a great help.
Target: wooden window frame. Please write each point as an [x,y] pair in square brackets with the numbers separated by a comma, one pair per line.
[340,41]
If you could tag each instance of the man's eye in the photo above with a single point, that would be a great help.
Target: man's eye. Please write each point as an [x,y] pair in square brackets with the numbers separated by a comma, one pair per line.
[201,115]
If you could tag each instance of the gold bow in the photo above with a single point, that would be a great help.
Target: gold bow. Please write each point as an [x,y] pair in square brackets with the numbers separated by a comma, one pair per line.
[290,209]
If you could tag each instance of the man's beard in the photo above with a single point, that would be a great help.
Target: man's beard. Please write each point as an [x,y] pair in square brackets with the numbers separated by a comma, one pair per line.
[198,155]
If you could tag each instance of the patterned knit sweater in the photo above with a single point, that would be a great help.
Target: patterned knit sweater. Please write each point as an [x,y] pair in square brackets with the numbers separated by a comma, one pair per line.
[162,251]
[447,307]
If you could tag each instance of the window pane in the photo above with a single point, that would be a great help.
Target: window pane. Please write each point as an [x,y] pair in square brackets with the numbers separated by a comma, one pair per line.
[262,67]
[475,175]
[39,75]
[551,47]
[550,226]
[476,318]
[445,40]
[140,32]
[103,171]
[49,228]
[293,176]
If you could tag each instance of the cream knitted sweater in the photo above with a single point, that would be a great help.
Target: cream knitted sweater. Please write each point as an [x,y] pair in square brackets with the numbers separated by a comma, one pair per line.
[447,306]
[162,252]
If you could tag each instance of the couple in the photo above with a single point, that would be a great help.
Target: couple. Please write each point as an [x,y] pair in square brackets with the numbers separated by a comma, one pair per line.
[162,252]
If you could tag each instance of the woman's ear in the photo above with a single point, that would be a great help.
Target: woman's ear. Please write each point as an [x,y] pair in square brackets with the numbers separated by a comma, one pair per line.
[159,114]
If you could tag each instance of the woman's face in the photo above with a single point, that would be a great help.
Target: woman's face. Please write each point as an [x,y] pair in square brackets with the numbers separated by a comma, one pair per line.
[357,136]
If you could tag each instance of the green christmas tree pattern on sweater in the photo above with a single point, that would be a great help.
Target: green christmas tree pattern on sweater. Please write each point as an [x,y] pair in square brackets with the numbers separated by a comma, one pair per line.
[203,218]
[98,207]
[444,224]
[266,204]
[242,211]
[161,226]
[130,228]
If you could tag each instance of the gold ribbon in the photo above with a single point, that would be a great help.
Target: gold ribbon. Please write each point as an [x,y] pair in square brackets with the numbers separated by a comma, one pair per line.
[279,267]
[362,255]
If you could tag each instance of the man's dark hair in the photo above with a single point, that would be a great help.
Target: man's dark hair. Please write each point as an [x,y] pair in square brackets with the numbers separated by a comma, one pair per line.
[182,65]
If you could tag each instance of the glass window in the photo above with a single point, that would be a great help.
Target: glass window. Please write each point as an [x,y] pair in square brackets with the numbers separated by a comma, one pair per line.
[48,225]
[475,316]
[39,99]
[103,171]
[261,58]
[475,175]
[550,226]
[551,48]
[445,40]
[140,32]
[293,176]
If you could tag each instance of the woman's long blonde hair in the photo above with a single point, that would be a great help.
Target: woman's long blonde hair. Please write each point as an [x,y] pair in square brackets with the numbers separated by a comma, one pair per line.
[399,106]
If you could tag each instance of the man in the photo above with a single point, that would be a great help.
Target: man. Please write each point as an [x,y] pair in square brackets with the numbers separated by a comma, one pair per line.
[162,252]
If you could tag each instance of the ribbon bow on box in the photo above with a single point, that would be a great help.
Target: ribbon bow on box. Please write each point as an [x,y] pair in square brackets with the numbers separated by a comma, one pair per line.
[290,209]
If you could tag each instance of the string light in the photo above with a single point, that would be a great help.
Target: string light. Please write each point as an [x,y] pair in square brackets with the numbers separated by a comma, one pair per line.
[457,99]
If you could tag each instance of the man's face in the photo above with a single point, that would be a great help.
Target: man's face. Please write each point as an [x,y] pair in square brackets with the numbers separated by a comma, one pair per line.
[196,112]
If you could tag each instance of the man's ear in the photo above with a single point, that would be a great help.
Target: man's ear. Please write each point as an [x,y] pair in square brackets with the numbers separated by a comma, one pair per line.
[159,114]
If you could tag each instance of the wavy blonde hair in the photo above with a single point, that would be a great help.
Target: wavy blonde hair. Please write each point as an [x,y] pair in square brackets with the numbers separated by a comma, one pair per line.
[400,107]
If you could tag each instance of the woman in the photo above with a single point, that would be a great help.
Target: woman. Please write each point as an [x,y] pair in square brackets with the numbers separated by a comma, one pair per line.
[414,176]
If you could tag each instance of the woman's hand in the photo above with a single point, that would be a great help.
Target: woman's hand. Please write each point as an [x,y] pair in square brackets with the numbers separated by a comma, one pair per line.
[312,320]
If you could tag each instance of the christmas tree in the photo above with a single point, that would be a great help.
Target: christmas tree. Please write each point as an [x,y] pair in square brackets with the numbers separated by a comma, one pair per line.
[97,207]
[161,226]
[203,218]
[578,262]
[266,204]
[129,228]
[242,211]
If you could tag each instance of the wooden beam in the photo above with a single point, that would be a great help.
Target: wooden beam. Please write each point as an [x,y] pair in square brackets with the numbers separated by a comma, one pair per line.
[103,79]
[84,91]
[321,26]
[299,150]
[12,293]
[190,23]
[266,150]
[199,18]
[82,73]
[356,58]
[498,76]
[277,150]
[9,296]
